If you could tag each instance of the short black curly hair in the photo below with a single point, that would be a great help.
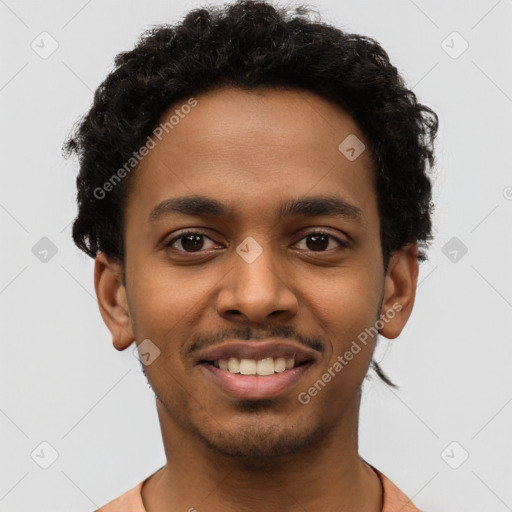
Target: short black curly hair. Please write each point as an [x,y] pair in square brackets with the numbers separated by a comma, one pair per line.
[254,45]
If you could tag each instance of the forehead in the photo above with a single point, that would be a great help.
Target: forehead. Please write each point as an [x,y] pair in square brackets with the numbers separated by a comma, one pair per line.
[252,148]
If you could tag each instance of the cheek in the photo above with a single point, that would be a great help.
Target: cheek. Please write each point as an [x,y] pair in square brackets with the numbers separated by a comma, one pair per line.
[164,298]
[344,320]
[344,306]
[166,306]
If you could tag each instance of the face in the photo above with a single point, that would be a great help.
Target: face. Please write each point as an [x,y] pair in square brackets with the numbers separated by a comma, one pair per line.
[238,266]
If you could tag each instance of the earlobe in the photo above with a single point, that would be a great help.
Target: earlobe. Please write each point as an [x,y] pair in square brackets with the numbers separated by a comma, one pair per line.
[399,290]
[112,300]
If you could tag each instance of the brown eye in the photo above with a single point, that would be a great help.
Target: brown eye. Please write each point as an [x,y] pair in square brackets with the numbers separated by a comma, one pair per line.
[192,242]
[319,241]
[188,242]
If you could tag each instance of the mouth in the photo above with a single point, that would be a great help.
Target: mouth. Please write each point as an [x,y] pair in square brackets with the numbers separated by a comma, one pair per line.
[255,379]
[262,367]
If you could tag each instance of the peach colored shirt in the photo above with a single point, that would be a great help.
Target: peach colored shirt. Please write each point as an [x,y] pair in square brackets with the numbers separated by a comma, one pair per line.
[394,499]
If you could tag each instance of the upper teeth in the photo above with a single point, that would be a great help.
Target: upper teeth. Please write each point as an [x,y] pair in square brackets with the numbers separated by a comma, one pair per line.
[265,366]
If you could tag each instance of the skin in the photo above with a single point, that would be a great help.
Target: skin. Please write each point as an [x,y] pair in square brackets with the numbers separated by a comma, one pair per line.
[253,150]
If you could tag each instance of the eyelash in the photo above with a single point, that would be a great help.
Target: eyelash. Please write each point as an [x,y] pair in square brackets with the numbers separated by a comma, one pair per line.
[342,243]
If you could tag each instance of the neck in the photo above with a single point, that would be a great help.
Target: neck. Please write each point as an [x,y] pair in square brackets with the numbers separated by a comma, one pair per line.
[329,475]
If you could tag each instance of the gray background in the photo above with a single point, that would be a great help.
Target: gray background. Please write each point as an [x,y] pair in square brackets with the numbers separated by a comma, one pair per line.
[63,383]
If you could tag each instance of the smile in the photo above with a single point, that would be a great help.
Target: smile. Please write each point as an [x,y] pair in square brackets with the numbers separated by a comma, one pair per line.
[255,379]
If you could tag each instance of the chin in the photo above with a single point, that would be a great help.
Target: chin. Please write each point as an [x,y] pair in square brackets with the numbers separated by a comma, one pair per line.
[257,443]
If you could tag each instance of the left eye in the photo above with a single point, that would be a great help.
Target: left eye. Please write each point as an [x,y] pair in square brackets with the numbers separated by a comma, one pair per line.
[320,240]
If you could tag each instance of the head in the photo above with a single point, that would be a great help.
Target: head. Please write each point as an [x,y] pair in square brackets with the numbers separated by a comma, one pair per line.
[247,114]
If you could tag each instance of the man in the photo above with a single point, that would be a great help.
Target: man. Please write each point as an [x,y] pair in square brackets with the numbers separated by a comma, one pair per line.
[253,187]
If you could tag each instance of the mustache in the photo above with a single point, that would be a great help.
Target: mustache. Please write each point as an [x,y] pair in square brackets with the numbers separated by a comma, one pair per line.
[202,341]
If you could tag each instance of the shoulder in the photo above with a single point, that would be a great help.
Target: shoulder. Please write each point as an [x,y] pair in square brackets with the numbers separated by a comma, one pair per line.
[130,501]
[394,499]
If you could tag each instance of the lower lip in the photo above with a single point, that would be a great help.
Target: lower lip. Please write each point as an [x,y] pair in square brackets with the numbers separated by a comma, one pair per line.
[254,387]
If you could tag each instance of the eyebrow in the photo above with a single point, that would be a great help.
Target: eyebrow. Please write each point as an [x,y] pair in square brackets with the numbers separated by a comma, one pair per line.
[307,206]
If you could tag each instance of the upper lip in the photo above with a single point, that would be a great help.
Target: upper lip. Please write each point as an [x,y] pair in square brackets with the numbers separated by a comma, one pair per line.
[256,350]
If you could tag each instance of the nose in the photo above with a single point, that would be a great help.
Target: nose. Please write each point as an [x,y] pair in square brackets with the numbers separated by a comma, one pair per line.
[255,292]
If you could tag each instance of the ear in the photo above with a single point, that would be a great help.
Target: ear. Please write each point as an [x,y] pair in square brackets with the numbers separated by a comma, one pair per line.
[399,290]
[112,300]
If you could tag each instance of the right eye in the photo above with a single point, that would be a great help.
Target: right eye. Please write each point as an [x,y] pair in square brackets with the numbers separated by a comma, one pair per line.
[193,240]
